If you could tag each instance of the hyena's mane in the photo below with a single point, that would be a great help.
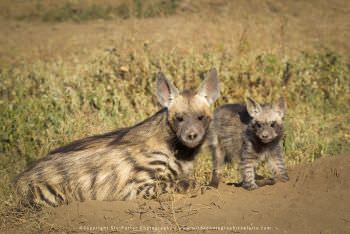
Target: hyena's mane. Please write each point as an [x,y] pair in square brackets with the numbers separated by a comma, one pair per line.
[92,141]
[136,134]
[155,126]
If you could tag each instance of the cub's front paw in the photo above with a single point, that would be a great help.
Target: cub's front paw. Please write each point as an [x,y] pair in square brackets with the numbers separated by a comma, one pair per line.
[214,183]
[265,181]
[250,186]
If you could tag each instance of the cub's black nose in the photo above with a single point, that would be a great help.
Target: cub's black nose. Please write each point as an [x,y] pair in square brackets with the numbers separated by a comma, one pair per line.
[192,136]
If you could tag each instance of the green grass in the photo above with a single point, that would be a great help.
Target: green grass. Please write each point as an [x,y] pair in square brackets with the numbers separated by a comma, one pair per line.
[47,104]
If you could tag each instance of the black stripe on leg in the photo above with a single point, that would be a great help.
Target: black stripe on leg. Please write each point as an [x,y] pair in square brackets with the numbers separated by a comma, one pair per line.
[179,165]
[54,192]
[147,192]
[170,178]
[94,175]
[141,188]
[173,172]
[160,153]
[158,162]
[164,187]
[136,180]
[151,172]
[45,199]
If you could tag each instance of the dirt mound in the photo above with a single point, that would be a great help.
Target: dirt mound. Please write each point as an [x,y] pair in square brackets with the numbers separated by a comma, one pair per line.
[315,200]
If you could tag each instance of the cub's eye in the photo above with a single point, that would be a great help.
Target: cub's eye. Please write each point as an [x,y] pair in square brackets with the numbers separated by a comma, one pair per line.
[273,124]
[179,118]
[258,125]
[201,117]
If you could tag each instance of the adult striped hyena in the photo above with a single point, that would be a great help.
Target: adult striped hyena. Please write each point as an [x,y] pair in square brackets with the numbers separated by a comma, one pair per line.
[252,131]
[151,158]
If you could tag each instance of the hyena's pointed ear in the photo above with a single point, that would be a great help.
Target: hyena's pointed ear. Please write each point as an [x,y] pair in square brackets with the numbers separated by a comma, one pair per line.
[166,91]
[210,87]
[280,106]
[253,107]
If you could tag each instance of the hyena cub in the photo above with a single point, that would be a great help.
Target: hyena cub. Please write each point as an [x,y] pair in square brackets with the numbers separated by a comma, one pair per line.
[255,133]
[151,158]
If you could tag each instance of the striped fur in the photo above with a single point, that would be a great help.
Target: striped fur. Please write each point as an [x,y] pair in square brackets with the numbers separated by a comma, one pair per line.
[146,160]
[254,132]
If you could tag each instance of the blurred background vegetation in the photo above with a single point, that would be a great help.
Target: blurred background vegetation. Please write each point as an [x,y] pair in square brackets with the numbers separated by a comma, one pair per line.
[64,75]
[55,11]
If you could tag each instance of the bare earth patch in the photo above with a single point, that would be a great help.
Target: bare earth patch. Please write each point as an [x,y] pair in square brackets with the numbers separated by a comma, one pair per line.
[315,200]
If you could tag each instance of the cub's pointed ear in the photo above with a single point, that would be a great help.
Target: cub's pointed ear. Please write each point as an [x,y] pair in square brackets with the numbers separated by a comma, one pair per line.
[253,107]
[280,106]
[210,87]
[166,91]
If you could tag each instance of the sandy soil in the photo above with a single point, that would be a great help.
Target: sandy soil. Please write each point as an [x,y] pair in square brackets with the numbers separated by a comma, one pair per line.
[315,200]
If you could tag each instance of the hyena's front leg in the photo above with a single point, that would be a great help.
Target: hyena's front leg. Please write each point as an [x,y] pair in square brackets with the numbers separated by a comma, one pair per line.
[262,181]
[161,188]
[186,186]
[278,169]
[173,191]
[247,170]
[218,161]
[154,189]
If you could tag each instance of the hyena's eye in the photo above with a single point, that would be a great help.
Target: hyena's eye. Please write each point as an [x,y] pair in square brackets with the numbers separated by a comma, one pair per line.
[273,124]
[179,118]
[200,117]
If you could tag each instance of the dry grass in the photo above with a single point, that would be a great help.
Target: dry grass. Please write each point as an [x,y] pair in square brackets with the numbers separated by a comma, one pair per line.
[84,10]
[43,101]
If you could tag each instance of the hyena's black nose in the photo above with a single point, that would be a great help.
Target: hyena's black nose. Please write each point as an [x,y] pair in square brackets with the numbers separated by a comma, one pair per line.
[192,136]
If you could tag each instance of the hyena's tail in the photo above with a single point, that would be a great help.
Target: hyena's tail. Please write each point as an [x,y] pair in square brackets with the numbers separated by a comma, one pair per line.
[34,193]
[22,190]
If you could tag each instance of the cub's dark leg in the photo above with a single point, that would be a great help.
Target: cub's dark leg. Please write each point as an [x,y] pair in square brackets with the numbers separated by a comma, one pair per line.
[218,157]
[247,170]
[278,168]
